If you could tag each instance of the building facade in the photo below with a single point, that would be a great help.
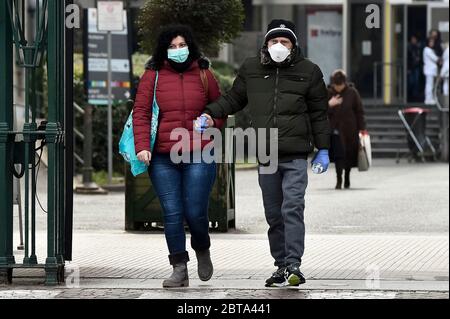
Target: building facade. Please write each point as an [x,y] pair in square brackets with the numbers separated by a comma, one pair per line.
[335,34]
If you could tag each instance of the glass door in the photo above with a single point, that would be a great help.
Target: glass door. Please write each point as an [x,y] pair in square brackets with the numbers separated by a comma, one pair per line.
[365,52]
[398,50]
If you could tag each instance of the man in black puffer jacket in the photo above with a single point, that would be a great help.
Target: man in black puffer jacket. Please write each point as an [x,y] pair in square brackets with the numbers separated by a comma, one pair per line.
[284,91]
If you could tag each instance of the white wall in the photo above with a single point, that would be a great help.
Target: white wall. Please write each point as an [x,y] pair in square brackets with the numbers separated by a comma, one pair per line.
[324,38]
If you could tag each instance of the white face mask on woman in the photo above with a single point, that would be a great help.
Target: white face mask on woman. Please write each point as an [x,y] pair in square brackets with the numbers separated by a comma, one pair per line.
[279,52]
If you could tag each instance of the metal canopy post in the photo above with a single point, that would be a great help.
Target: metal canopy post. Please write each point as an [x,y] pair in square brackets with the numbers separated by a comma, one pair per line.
[6,124]
[55,62]
[50,32]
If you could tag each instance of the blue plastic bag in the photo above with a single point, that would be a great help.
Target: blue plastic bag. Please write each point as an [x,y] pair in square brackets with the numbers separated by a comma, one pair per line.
[126,143]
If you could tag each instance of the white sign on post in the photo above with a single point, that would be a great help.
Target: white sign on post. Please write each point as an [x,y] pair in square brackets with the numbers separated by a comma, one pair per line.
[110,15]
[110,18]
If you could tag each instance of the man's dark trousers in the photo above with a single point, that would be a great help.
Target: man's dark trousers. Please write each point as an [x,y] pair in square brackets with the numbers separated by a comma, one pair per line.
[284,203]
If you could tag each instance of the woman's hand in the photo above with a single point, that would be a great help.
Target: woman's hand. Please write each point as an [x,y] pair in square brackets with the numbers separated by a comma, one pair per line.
[209,122]
[364,132]
[335,101]
[145,157]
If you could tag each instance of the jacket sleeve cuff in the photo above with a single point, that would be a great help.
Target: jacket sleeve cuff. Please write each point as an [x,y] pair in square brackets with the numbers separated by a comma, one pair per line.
[140,148]
[219,122]
[322,142]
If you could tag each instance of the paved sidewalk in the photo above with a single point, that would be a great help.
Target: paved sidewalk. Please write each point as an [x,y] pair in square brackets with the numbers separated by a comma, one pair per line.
[205,293]
[385,238]
[337,266]
[348,257]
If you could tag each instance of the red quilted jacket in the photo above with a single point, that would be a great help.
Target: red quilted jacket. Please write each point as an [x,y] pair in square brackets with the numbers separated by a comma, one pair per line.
[181,98]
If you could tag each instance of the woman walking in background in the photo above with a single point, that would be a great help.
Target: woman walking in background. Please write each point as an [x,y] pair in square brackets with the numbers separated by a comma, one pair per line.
[184,87]
[346,116]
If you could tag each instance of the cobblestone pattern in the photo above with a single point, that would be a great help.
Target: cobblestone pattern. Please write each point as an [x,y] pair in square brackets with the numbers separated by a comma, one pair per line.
[285,293]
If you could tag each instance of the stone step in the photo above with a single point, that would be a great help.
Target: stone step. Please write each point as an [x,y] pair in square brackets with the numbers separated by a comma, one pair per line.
[397,126]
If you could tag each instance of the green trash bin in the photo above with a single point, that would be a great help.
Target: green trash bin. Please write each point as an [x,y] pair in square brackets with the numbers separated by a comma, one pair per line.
[143,210]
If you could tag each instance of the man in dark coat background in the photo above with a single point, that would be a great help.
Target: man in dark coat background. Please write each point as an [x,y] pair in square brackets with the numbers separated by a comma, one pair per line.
[346,115]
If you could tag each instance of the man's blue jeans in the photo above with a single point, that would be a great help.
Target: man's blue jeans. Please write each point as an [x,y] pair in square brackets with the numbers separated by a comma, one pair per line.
[183,190]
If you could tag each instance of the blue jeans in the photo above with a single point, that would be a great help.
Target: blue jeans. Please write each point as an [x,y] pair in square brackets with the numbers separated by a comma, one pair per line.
[183,190]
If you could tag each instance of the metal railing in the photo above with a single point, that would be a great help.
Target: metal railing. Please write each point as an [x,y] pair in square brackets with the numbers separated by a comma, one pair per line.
[48,41]
[444,118]
[78,109]
[436,92]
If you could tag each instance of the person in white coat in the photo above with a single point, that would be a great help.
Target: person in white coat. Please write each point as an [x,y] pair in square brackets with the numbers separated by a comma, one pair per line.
[430,70]
[444,71]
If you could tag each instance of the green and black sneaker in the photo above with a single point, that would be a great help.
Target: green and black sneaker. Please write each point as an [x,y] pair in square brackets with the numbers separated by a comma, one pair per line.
[278,278]
[294,275]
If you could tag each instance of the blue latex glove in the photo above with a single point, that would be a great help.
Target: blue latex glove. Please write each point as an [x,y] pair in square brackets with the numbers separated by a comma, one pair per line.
[322,158]
[201,124]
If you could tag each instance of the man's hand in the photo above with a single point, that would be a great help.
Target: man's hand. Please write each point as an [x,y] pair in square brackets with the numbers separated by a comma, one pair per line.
[335,101]
[322,159]
[145,157]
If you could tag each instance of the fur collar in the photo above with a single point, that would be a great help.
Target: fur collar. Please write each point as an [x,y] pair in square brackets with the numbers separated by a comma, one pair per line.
[204,63]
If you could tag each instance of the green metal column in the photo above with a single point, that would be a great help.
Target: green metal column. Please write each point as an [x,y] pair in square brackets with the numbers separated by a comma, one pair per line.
[60,146]
[55,57]
[29,128]
[6,124]
[50,30]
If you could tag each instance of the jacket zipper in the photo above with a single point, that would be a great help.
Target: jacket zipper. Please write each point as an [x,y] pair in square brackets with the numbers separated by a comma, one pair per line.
[184,106]
[275,99]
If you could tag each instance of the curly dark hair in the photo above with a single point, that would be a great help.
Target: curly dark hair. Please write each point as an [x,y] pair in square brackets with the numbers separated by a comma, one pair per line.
[165,38]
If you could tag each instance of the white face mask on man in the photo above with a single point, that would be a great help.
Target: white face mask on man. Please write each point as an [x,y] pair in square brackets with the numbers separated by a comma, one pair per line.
[279,52]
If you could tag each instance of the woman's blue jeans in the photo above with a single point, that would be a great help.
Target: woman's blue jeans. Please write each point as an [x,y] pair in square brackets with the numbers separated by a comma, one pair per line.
[183,190]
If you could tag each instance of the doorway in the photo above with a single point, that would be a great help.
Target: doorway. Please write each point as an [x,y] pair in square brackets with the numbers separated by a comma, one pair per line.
[416,31]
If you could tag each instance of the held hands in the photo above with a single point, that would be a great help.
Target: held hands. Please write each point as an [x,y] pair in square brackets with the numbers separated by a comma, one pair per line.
[145,157]
[335,101]
[203,122]
[321,159]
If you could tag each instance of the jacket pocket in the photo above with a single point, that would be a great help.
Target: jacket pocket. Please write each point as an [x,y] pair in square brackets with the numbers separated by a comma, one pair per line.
[296,84]
[300,77]
[259,83]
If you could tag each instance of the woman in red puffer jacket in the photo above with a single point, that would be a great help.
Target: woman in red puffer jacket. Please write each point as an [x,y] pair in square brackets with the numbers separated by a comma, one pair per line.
[185,86]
